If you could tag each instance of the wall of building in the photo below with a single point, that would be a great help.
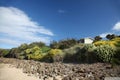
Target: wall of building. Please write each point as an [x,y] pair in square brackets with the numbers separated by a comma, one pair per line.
[88,41]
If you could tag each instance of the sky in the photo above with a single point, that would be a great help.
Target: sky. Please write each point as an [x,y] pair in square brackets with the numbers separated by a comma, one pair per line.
[26,21]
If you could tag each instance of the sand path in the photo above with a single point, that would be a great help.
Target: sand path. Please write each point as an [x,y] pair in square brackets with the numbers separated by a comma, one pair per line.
[12,73]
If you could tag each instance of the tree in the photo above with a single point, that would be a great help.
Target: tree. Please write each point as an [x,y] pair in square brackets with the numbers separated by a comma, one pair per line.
[81,40]
[67,43]
[97,38]
[110,36]
[54,45]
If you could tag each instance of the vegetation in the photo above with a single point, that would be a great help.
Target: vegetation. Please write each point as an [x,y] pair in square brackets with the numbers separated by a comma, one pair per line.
[97,38]
[34,53]
[4,52]
[105,52]
[63,44]
[69,50]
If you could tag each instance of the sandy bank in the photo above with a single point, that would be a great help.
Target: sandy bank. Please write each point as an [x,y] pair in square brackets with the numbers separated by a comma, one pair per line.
[12,73]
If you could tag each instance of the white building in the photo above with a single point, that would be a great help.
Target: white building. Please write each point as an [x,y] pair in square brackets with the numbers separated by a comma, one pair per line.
[86,41]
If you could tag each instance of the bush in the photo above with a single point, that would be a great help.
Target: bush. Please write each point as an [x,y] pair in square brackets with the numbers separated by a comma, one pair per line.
[116,59]
[54,45]
[4,52]
[55,55]
[63,44]
[45,49]
[70,53]
[34,53]
[103,42]
[105,52]
[82,53]
[117,44]
[88,53]
[89,47]
[39,44]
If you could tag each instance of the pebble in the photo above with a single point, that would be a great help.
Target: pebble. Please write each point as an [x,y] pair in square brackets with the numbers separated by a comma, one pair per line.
[63,71]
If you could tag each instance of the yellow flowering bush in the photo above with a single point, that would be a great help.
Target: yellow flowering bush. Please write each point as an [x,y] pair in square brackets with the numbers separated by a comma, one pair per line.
[103,42]
[55,55]
[53,52]
[34,53]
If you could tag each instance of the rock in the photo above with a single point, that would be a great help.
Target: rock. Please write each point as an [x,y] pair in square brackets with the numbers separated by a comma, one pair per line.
[80,71]
[57,78]
[108,66]
[63,71]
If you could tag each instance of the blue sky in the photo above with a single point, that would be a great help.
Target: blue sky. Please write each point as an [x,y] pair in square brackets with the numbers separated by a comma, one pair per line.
[25,21]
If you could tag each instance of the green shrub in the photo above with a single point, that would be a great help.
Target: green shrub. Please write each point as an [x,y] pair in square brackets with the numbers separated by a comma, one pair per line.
[87,54]
[105,52]
[63,44]
[54,45]
[89,47]
[39,44]
[4,52]
[67,43]
[116,59]
[70,53]
[81,53]
[45,49]
[55,55]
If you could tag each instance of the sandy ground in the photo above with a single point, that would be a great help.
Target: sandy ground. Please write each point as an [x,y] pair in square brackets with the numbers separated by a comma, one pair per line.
[11,73]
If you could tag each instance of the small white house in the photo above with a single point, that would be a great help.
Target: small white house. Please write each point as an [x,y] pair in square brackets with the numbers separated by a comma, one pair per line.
[86,41]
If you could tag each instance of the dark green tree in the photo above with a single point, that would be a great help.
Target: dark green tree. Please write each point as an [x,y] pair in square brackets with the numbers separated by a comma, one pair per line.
[54,45]
[97,38]
[110,36]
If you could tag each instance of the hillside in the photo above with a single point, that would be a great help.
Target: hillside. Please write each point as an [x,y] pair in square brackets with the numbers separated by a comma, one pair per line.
[69,50]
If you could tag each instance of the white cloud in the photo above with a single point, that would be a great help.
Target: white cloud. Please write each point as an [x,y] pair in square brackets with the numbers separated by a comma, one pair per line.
[17,27]
[117,26]
[9,41]
[103,35]
[115,30]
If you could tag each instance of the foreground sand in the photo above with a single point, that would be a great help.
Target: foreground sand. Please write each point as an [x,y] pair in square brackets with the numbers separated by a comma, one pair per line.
[12,73]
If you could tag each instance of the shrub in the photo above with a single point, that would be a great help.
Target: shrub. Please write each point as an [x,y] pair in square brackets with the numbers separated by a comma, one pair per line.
[70,53]
[87,53]
[55,55]
[81,53]
[4,52]
[63,44]
[103,42]
[53,52]
[105,52]
[34,53]
[116,59]
[117,44]
[89,47]
[45,49]
[54,45]
[39,44]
